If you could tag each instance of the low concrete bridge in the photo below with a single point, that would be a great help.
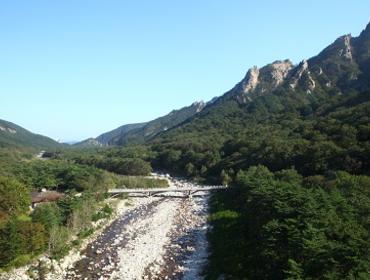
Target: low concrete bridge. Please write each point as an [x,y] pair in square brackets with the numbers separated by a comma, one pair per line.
[188,191]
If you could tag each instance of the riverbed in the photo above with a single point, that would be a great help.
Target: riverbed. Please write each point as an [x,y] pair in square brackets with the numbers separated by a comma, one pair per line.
[158,238]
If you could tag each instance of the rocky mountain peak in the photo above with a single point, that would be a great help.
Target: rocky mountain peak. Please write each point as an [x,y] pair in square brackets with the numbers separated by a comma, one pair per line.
[260,81]
[250,80]
[278,70]
[345,48]
[302,70]
[199,105]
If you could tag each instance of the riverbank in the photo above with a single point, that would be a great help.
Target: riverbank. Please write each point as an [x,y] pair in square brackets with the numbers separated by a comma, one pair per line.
[148,238]
[46,268]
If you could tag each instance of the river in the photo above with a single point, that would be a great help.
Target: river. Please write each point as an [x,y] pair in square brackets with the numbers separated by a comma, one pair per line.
[155,238]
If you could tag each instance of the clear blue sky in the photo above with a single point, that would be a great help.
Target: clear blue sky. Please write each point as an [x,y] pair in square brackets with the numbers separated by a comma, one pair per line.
[73,69]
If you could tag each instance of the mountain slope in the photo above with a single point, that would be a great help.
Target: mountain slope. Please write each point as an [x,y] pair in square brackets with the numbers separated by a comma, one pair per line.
[140,132]
[280,116]
[12,135]
[152,128]
[107,137]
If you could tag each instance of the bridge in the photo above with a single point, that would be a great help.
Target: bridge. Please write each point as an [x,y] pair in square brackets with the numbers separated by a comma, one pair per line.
[188,191]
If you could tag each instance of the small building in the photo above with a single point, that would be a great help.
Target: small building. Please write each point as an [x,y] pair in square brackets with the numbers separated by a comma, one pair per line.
[44,196]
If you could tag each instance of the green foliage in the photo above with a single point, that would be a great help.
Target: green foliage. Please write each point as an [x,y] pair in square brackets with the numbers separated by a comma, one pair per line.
[155,127]
[102,213]
[125,161]
[47,214]
[50,225]
[17,137]
[19,238]
[14,197]
[20,261]
[134,166]
[282,230]
[134,182]
[225,179]
[85,233]
[58,242]
[228,135]
[82,211]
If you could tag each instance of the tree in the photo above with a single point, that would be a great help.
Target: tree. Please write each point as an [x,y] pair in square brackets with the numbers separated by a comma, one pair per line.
[203,170]
[189,169]
[14,197]
[133,166]
[57,244]
[225,178]
[47,214]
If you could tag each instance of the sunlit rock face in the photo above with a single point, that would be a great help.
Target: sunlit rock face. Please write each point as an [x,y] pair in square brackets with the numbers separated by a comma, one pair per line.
[260,81]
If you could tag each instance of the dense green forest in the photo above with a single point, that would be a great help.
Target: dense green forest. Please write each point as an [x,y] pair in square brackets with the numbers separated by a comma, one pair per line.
[284,226]
[334,138]
[299,202]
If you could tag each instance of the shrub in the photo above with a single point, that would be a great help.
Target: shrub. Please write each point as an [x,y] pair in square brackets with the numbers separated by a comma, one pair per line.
[48,214]
[14,197]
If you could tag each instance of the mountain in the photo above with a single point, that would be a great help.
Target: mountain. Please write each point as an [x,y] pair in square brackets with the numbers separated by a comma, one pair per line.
[280,115]
[121,131]
[14,136]
[88,143]
[106,138]
[152,128]
[339,68]
[140,132]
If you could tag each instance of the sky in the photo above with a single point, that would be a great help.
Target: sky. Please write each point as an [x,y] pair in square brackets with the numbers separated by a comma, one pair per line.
[74,69]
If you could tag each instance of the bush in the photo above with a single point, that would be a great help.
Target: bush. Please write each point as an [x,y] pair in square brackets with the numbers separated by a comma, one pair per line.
[19,237]
[58,242]
[133,182]
[85,233]
[14,197]
[103,213]
[48,214]
[20,261]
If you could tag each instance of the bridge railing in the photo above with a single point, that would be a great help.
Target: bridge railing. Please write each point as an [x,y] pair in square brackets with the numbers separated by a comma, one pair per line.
[162,190]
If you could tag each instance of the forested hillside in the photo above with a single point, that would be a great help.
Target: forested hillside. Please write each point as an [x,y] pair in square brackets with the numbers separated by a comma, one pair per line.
[313,116]
[293,142]
[134,134]
[14,136]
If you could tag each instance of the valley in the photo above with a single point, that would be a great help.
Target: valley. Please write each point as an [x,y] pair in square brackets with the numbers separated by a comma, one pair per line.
[291,142]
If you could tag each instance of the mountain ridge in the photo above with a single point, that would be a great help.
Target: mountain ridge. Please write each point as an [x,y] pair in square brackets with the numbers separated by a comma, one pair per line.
[324,88]
[140,132]
[13,135]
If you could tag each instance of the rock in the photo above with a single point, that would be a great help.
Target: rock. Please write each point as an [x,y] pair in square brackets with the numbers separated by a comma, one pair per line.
[250,81]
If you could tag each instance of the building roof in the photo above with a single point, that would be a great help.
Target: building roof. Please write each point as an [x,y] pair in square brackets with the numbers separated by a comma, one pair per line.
[47,196]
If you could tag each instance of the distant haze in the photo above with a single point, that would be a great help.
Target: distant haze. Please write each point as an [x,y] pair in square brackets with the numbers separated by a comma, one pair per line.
[75,69]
